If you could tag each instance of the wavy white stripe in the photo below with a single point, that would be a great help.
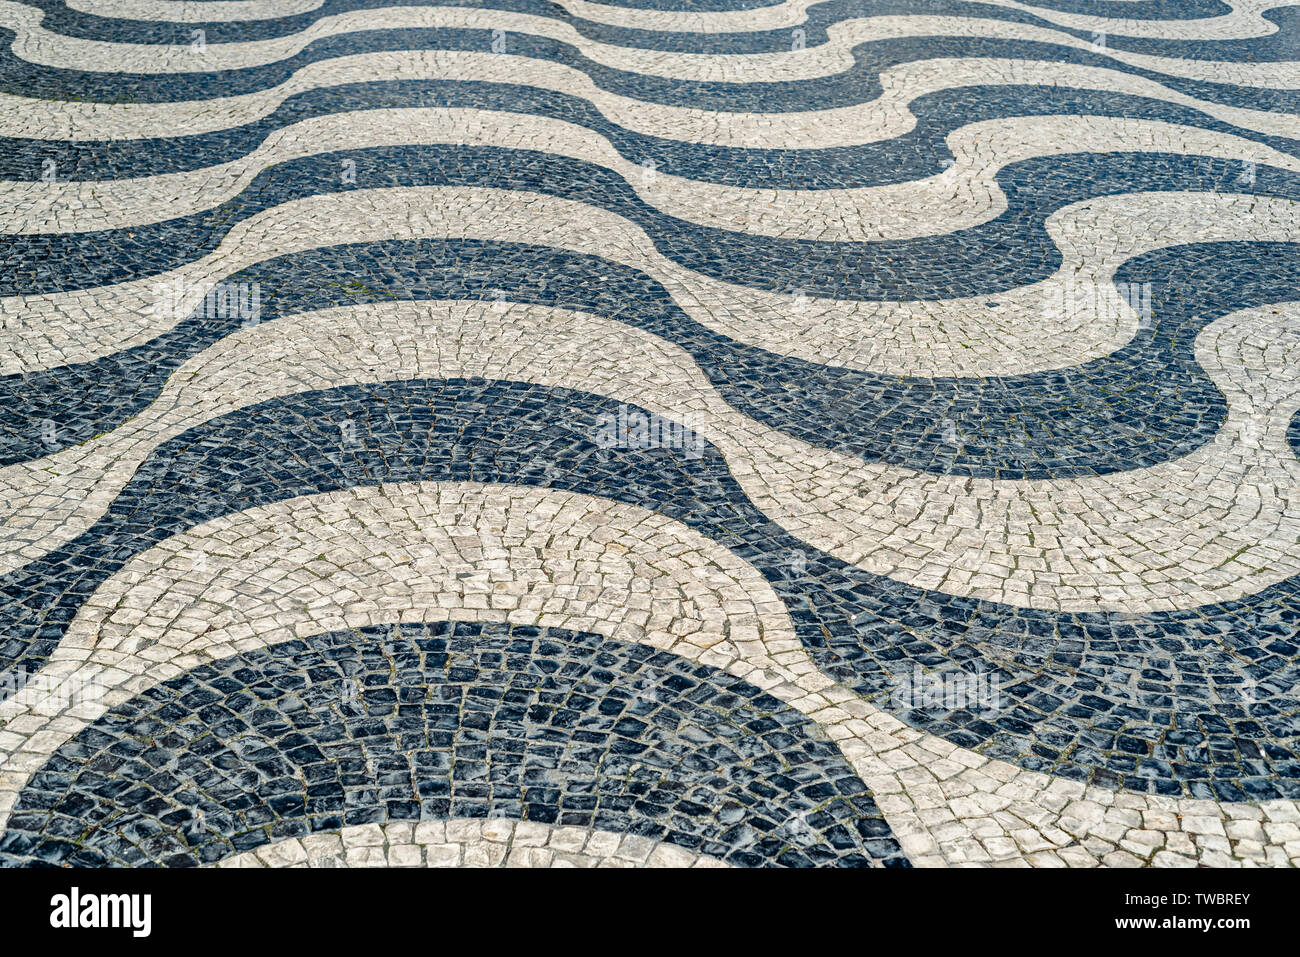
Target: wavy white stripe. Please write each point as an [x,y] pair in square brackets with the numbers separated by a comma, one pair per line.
[883,118]
[1242,22]
[1131,541]
[37,45]
[178,11]
[673,21]
[468,842]
[945,804]
[963,196]
[1020,330]
[411,552]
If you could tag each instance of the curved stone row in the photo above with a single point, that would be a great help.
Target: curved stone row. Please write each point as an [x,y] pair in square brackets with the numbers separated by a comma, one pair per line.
[50,122]
[844,71]
[1070,317]
[1083,536]
[1240,30]
[1150,702]
[942,138]
[425,553]
[437,722]
[1013,247]
[1146,403]
[495,842]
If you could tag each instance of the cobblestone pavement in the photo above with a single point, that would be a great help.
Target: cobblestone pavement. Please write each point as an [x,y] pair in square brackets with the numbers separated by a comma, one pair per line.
[669,433]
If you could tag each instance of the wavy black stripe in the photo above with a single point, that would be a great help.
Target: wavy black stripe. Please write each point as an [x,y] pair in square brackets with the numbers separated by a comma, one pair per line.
[860,83]
[819,17]
[916,154]
[429,722]
[1146,403]
[1012,249]
[1146,702]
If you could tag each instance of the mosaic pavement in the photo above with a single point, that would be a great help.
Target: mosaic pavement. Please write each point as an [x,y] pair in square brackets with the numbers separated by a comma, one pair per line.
[670,433]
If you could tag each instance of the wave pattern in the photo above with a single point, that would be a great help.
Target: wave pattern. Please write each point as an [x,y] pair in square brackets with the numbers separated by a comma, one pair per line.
[435,722]
[919,380]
